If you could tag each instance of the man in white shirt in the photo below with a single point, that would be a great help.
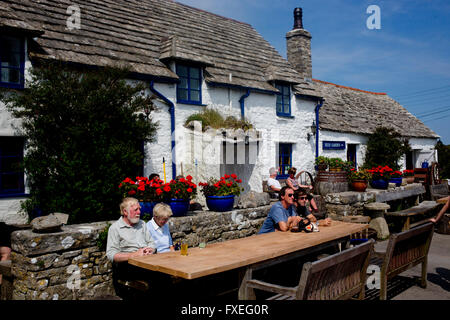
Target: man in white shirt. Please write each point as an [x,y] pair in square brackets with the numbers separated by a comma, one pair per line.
[272,183]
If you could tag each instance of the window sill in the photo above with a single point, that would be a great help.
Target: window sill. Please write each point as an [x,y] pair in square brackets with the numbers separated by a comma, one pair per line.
[13,195]
[12,86]
[192,103]
[285,116]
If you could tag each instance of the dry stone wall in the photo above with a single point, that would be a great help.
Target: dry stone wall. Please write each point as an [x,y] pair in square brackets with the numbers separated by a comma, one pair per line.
[68,264]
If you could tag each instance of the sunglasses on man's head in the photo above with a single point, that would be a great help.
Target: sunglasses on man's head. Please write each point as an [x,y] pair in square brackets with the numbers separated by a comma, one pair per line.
[290,195]
[302,198]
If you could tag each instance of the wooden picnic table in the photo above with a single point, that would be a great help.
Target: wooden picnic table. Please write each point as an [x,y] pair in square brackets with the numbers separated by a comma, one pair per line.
[264,250]
[442,200]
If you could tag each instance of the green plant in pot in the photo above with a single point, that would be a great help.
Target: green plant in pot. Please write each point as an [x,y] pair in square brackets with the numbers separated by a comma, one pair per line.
[359,179]
[321,163]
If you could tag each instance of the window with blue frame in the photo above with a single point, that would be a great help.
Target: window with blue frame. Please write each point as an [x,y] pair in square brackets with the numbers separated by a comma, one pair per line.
[11,166]
[283,100]
[284,160]
[190,85]
[12,63]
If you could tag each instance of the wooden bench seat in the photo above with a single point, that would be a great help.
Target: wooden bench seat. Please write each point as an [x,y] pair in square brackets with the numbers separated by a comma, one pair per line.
[421,209]
[338,276]
[404,251]
[439,191]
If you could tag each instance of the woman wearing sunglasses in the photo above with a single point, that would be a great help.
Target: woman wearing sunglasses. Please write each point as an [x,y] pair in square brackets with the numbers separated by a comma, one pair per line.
[300,203]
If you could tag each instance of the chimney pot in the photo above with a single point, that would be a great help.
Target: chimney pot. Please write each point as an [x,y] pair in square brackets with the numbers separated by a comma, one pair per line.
[298,18]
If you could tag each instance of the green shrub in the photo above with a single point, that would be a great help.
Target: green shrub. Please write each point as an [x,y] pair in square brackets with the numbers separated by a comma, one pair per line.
[385,147]
[84,131]
[213,119]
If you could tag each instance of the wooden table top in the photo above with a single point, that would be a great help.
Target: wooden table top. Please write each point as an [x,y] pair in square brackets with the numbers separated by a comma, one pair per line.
[442,200]
[236,253]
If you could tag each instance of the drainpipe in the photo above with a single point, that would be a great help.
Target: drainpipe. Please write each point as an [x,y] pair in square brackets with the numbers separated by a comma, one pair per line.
[241,101]
[172,124]
[319,105]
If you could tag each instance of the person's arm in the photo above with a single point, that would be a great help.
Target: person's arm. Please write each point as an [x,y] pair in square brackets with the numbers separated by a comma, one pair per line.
[275,188]
[289,183]
[272,186]
[124,256]
[441,213]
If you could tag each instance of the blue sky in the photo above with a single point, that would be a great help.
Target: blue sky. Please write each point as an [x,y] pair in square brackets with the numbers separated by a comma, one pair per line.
[408,57]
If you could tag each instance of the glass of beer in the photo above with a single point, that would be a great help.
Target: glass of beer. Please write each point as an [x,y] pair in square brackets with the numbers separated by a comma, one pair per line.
[184,249]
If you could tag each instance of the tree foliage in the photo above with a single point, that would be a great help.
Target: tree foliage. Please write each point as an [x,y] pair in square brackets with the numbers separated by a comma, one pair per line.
[85,131]
[385,147]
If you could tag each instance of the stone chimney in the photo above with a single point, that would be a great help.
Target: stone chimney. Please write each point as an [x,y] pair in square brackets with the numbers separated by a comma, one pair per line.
[299,46]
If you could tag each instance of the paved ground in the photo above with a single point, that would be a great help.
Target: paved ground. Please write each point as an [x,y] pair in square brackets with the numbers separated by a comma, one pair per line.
[438,274]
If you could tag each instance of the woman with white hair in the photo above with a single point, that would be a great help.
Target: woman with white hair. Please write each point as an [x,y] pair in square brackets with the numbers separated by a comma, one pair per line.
[159,229]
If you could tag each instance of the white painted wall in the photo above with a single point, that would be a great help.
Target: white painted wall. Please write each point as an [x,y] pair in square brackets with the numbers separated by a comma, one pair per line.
[205,162]
[424,147]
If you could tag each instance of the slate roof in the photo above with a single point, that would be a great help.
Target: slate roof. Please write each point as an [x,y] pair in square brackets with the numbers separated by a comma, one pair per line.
[145,33]
[357,111]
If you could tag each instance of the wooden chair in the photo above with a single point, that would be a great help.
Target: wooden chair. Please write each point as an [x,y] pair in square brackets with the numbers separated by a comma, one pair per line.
[339,276]
[404,251]
[438,191]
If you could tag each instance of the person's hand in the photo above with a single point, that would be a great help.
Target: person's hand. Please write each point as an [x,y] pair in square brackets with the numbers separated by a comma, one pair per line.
[326,222]
[147,251]
[433,220]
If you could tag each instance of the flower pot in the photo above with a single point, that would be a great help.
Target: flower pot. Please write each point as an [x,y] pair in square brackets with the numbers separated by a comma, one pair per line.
[321,167]
[380,184]
[409,179]
[359,185]
[220,203]
[147,208]
[397,181]
[179,207]
[335,169]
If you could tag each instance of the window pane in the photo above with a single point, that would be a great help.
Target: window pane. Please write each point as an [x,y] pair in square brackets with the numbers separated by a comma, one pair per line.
[195,84]
[182,71]
[182,94]
[279,108]
[10,164]
[10,181]
[279,99]
[14,76]
[287,109]
[10,59]
[195,95]
[195,73]
[183,83]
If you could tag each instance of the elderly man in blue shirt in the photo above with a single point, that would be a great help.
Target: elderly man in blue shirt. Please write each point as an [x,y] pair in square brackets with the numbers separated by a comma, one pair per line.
[282,215]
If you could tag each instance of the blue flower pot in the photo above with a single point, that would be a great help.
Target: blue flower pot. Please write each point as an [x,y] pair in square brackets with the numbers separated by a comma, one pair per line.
[220,203]
[147,208]
[397,181]
[379,184]
[179,207]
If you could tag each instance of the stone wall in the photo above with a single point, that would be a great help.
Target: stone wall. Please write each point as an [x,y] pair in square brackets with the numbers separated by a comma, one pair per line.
[68,265]
[352,203]
[61,265]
